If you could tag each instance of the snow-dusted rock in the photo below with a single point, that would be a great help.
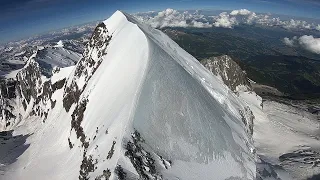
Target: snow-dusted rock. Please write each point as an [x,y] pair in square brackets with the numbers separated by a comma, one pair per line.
[229,71]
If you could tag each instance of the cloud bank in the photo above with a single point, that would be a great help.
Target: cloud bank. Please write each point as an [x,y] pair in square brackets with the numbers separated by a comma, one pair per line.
[174,18]
[225,20]
[306,42]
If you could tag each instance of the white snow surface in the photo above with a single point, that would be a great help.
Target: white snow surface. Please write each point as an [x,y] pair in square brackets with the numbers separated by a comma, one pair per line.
[145,82]
[281,129]
[59,44]
[50,57]
[61,74]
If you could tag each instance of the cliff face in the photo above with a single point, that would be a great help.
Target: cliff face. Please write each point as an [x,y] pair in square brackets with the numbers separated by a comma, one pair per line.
[7,95]
[16,94]
[29,82]
[229,71]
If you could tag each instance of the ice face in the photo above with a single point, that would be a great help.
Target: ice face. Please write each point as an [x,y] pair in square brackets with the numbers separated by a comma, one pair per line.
[179,119]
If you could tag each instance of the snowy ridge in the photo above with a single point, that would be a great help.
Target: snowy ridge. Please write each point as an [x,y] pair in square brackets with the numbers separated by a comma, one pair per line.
[136,106]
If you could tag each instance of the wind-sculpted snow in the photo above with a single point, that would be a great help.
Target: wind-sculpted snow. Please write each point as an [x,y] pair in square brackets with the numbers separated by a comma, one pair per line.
[137,106]
[187,122]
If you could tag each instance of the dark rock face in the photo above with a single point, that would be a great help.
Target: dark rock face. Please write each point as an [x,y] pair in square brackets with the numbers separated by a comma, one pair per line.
[77,117]
[84,70]
[22,90]
[58,85]
[144,163]
[99,38]
[120,173]
[7,94]
[88,163]
[110,153]
[71,96]
[28,86]
[45,97]
[230,72]
[8,88]
[86,67]
[29,80]
[86,166]
[105,175]
[247,118]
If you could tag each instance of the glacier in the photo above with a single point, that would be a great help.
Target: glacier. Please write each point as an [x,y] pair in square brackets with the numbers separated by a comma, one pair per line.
[135,106]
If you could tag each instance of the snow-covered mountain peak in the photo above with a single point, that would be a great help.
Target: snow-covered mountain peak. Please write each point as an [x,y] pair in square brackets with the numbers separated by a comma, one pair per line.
[136,106]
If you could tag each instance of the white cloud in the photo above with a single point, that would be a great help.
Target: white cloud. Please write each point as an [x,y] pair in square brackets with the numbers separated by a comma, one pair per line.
[174,18]
[247,17]
[306,42]
[289,42]
[235,17]
[310,43]
[240,12]
[224,20]
[296,24]
[200,24]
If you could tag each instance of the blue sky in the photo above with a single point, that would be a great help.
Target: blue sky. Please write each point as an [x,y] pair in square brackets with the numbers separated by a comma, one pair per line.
[23,18]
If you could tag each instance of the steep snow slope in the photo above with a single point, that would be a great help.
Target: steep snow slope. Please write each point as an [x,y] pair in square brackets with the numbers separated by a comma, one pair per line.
[136,106]
[286,138]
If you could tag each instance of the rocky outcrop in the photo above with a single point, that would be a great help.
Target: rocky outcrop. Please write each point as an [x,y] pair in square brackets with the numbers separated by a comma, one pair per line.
[230,72]
[29,82]
[86,67]
[7,95]
[247,118]
[31,86]
[29,89]
[95,49]
[44,103]
[143,161]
